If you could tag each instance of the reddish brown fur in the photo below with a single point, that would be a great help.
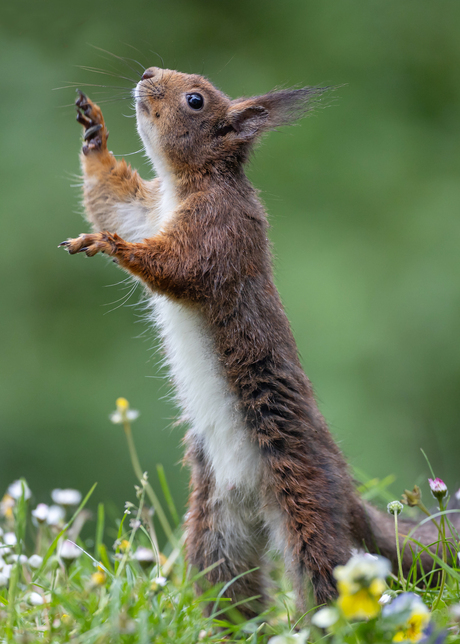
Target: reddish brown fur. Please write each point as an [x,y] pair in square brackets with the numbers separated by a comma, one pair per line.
[213,254]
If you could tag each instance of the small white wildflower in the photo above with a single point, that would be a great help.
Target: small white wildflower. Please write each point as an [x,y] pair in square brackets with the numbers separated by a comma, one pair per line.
[69,551]
[35,599]
[15,490]
[145,556]
[291,638]
[457,495]
[386,598]
[41,512]
[454,611]
[325,617]
[3,579]
[6,572]
[9,539]
[134,524]
[15,558]
[123,413]
[56,515]
[35,561]
[66,497]
[160,581]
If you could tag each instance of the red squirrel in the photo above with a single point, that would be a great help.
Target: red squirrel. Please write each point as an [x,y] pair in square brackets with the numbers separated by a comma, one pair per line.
[265,470]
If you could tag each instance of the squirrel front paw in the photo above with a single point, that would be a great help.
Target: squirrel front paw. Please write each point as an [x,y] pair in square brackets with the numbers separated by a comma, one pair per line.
[92,244]
[90,116]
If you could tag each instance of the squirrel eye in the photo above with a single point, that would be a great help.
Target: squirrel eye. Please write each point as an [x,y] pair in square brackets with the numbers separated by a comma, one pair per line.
[195,101]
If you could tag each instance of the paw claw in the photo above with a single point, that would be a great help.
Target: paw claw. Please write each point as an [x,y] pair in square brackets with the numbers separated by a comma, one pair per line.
[90,116]
[91,131]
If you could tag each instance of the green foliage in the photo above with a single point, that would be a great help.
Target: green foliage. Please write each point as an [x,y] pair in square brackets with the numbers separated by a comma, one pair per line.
[131,592]
[122,595]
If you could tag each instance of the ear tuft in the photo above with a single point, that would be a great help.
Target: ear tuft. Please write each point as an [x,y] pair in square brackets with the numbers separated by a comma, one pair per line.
[252,116]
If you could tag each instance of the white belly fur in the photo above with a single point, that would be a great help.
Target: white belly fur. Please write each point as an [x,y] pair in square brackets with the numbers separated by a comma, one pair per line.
[204,395]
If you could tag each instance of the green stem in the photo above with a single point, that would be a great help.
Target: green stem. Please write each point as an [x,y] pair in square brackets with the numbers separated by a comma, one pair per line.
[438,528]
[148,488]
[398,553]
[444,555]
[428,514]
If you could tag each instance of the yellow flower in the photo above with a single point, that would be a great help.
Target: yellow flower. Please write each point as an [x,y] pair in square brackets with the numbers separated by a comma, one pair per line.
[124,545]
[360,605]
[98,578]
[413,632]
[415,617]
[6,506]
[360,584]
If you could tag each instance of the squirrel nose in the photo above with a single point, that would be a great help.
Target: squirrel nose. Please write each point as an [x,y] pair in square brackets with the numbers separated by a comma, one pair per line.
[149,73]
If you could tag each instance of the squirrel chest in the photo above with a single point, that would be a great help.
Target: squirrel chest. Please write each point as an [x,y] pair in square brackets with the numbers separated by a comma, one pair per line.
[202,391]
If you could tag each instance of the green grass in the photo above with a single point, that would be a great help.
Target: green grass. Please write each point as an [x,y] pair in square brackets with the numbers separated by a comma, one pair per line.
[103,590]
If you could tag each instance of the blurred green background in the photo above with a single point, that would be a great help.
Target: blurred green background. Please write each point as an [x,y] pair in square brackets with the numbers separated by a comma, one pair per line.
[363,200]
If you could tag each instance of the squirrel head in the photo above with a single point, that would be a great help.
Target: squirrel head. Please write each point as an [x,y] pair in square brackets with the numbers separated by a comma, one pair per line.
[187,125]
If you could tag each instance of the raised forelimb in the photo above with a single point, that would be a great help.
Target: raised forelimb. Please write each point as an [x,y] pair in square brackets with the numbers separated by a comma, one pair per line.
[157,261]
[115,196]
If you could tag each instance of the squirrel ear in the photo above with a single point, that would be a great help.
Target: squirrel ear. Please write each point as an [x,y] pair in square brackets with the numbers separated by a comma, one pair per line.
[252,116]
[247,119]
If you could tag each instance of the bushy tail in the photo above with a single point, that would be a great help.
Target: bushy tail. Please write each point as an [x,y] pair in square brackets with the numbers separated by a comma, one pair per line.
[379,537]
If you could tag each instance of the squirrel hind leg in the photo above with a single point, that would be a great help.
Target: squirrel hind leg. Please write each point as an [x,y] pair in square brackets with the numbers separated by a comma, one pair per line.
[225,533]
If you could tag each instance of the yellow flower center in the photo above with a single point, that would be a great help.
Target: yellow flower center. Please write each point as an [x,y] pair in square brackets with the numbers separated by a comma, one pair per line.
[122,404]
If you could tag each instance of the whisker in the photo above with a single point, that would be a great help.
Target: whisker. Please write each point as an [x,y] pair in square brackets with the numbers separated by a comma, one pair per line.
[159,56]
[97,70]
[227,63]
[125,281]
[73,85]
[100,101]
[133,59]
[129,154]
[117,57]
[124,299]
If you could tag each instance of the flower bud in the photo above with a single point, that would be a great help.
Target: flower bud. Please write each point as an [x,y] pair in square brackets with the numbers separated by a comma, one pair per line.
[395,507]
[438,488]
[412,498]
